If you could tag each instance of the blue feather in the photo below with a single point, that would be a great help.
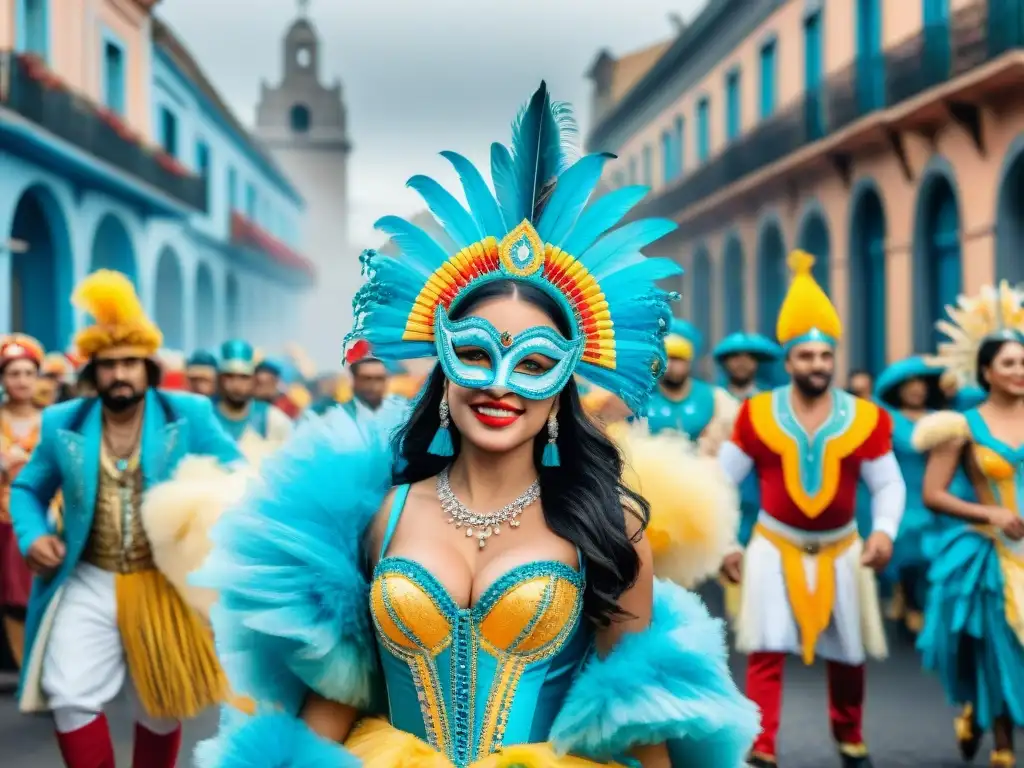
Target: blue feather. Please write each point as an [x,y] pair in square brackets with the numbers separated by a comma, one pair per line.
[481,202]
[668,684]
[450,214]
[287,566]
[600,216]
[570,197]
[628,239]
[513,208]
[277,740]
[536,150]
[414,243]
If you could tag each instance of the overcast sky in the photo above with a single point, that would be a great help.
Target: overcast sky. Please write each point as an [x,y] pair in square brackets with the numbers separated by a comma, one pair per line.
[419,77]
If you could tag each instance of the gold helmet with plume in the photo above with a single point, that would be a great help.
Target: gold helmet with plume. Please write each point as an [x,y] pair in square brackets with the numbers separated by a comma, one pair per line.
[120,326]
[995,313]
[807,313]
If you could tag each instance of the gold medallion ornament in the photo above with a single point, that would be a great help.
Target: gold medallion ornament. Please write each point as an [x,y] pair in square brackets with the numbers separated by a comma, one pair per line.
[521,251]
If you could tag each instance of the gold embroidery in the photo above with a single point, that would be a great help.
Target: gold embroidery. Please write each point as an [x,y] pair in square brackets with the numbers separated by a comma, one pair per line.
[117,541]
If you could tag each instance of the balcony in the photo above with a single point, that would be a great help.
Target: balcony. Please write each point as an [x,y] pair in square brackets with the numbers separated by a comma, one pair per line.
[276,257]
[66,132]
[871,102]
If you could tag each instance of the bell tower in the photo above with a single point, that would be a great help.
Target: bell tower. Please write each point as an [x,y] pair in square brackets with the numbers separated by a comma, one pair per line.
[303,123]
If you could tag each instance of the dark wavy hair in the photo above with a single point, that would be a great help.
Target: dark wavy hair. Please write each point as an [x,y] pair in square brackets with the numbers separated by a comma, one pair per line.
[583,498]
[987,353]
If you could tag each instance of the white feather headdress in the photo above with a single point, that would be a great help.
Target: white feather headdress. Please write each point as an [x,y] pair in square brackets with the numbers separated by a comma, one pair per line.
[994,312]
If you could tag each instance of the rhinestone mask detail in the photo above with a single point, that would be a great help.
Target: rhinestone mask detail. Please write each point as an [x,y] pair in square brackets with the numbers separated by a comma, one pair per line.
[478,525]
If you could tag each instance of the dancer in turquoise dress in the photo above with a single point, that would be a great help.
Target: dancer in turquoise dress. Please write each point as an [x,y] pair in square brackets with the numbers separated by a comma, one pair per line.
[488,599]
[973,636]
[909,390]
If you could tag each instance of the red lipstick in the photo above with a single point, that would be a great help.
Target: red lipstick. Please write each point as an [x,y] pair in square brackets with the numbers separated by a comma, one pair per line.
[495,414]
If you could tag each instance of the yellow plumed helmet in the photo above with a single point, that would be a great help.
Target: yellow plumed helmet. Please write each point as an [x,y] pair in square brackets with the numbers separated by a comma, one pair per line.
[807,313]
[121,326]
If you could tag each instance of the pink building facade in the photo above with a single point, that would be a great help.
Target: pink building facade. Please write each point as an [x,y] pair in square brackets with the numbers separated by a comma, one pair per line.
[883,137]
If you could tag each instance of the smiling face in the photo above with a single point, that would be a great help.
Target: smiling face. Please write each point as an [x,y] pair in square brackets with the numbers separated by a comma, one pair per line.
[1006,373]
[494,419]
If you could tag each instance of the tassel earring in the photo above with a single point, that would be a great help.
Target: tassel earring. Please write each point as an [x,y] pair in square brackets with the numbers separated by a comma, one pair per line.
[550,458]
[441,445]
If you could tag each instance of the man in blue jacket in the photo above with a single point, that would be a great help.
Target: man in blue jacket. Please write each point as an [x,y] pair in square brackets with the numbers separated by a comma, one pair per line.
[101,611]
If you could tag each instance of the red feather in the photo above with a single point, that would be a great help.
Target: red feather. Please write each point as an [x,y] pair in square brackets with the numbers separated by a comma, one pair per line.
[357,351]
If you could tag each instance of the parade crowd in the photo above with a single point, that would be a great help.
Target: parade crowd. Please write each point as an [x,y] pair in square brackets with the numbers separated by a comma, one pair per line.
[236,530]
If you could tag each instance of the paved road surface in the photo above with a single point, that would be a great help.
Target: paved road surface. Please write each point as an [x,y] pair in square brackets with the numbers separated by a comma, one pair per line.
[908,724]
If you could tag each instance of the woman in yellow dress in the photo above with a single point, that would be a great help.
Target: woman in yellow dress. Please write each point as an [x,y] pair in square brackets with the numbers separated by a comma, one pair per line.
[481,591]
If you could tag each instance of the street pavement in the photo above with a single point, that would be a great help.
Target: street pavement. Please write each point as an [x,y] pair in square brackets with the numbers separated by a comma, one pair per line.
[908,723]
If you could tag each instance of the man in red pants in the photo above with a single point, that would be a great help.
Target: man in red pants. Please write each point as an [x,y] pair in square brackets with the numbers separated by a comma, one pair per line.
[808,583]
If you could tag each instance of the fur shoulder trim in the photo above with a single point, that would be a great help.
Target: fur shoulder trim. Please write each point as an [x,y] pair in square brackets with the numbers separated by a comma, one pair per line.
[270,741]
[178,514]
[289,569]
[668,684]
[938,428]
[694,507]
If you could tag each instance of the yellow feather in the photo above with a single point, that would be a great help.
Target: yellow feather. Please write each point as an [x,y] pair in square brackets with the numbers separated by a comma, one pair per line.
[119,319]
[694,507]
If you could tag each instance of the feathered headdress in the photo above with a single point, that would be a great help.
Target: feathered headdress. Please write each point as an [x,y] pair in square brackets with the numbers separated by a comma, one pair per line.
[20,346]
[538,227]
[120,325]
[993,313]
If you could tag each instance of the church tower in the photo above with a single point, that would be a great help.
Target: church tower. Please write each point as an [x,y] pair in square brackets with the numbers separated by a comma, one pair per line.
[302,122]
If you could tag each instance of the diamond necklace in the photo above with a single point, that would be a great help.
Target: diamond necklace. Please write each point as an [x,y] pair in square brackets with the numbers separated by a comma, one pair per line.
[482,526]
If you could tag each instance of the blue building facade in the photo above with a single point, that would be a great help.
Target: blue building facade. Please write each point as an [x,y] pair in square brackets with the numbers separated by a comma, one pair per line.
[86,182]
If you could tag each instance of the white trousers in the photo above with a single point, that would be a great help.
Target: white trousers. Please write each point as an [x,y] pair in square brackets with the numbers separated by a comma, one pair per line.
[84,667]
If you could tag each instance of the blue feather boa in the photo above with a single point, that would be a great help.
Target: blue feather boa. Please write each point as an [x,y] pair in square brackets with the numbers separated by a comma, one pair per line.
[287,565]
[271,741]
[670,683]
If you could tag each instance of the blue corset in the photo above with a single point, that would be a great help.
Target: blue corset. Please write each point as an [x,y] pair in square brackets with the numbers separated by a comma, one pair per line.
[470,680]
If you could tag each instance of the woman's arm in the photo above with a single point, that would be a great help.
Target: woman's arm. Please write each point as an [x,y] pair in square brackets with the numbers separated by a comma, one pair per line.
[328,719]
[943,462]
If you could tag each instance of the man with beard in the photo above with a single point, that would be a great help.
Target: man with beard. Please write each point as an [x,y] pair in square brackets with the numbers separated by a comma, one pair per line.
[370,398]
[682,403]
[201,373]
[740,356]
[101,610]
[243,416]
[808,584]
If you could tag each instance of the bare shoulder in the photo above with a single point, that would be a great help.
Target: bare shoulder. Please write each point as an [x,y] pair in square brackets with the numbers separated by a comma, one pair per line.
[379,525]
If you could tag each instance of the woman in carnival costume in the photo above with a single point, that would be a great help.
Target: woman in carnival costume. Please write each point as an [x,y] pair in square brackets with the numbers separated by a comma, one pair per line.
[20,359]
[909,390]
[372,633]
[973,636]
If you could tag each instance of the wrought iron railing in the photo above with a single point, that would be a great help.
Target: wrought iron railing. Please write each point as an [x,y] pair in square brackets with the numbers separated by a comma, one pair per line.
[34,93]
[974,35]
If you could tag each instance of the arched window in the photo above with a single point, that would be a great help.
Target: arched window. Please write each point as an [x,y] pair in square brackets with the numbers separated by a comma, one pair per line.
[300,118]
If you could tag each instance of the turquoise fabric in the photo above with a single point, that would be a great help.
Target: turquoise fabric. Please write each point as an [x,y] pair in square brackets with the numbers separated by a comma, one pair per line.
[967,640]
[255,419]
[468,670]
[690,416]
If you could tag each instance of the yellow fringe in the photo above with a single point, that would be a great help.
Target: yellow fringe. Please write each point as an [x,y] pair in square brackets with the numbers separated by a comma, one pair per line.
[170,652]
[378,744]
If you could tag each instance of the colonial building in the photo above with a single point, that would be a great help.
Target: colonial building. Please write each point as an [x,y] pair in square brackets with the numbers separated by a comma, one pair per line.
[302,122]
[886,138]
[94,172]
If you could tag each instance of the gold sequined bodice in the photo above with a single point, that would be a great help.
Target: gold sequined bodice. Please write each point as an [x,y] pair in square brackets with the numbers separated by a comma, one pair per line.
[470,680]
[118,542]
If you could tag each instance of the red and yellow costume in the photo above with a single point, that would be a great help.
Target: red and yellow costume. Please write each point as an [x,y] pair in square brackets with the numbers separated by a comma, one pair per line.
[804,590]
[16,445]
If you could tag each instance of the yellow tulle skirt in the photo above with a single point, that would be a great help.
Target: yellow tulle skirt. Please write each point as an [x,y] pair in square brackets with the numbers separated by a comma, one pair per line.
[378,744]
